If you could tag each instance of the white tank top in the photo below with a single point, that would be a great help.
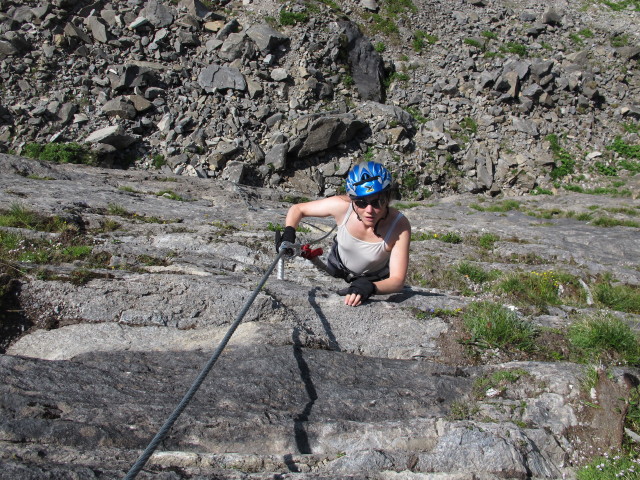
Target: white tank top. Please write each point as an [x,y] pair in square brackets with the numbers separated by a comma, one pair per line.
[362,257]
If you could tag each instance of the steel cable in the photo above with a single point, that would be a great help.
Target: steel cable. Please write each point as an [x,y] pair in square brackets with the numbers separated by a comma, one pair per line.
[162,433]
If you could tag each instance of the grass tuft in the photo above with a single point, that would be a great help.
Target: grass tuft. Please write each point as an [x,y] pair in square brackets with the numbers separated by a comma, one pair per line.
[60,153]
[603,337]
[493,326]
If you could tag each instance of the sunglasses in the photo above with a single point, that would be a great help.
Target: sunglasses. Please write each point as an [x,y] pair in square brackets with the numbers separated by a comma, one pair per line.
[375,203]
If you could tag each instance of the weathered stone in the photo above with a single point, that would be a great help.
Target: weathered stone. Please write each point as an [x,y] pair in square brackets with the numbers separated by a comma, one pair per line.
[367,69]
[279,74]
[265,37]
[328,131]
[277,156]
[236,45]
[120,107]
[214,78]
[486,79]
[140,103]
[66,112]
[98,29]
[158,14]
[70,30]
[552,17]
[370,5]
[7,49]
[235,172]
[114,136]
[525,126]
[195,7]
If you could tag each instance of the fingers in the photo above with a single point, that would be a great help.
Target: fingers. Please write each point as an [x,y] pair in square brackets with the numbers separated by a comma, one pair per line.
[353,299]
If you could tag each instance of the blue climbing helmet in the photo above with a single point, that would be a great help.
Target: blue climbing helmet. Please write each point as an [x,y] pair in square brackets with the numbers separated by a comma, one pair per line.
[368,179]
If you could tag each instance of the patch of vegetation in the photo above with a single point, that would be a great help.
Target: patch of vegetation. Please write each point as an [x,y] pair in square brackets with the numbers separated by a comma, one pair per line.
[288,18]
[607,170]
[158,161]
[380,47]
[614,222]
[118,210]
[65,248]
[19,216]
[541,289]
[82,276]
[462,410]
[417,116]
[469,124]
[577,39]
[497,381]
[450,237]
[276,227]
[472,42]
[295,199]
[515,48]
[422,39]
[604,338]
[399,7]
[150,261]
[108,225]
[396,77]
[60,153]
[504,206]
[488,240]
[491,325]
[435,312]
[565,163]
[618,41]
[619,297]
[431,272]
[171,195]
[225,227]
[385,21]
[541,191]
[614,191]
[405,206]
[409,185]
[623,148]
[383,25]
[489,35]
[476,273]
[611,467]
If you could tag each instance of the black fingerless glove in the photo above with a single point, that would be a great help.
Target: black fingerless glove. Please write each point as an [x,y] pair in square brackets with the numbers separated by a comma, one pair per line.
[365,288]
[289,235]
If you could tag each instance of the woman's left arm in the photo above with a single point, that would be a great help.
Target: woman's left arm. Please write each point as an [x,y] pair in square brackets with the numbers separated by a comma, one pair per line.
[399,261]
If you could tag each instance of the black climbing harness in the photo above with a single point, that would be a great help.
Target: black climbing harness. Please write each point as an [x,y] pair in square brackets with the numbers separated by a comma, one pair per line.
[287,249]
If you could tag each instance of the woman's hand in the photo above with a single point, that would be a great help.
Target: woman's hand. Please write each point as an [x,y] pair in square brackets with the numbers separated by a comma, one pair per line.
[359,291]
[353,299]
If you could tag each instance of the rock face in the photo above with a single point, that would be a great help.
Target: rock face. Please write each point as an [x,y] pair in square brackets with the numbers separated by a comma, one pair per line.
[307,388]
[488,75]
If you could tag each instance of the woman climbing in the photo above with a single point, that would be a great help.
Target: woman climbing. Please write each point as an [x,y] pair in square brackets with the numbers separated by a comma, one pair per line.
[371,248]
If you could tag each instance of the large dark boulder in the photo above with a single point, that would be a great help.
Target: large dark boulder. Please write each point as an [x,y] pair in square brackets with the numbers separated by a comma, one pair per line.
[367,67]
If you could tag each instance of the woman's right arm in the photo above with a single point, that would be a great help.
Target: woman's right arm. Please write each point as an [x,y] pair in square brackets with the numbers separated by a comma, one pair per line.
[332,206]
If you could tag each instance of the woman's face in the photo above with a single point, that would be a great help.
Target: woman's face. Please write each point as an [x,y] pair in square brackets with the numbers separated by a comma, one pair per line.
[371,208]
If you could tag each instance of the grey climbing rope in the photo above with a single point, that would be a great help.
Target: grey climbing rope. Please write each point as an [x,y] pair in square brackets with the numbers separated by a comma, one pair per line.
[162,433]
